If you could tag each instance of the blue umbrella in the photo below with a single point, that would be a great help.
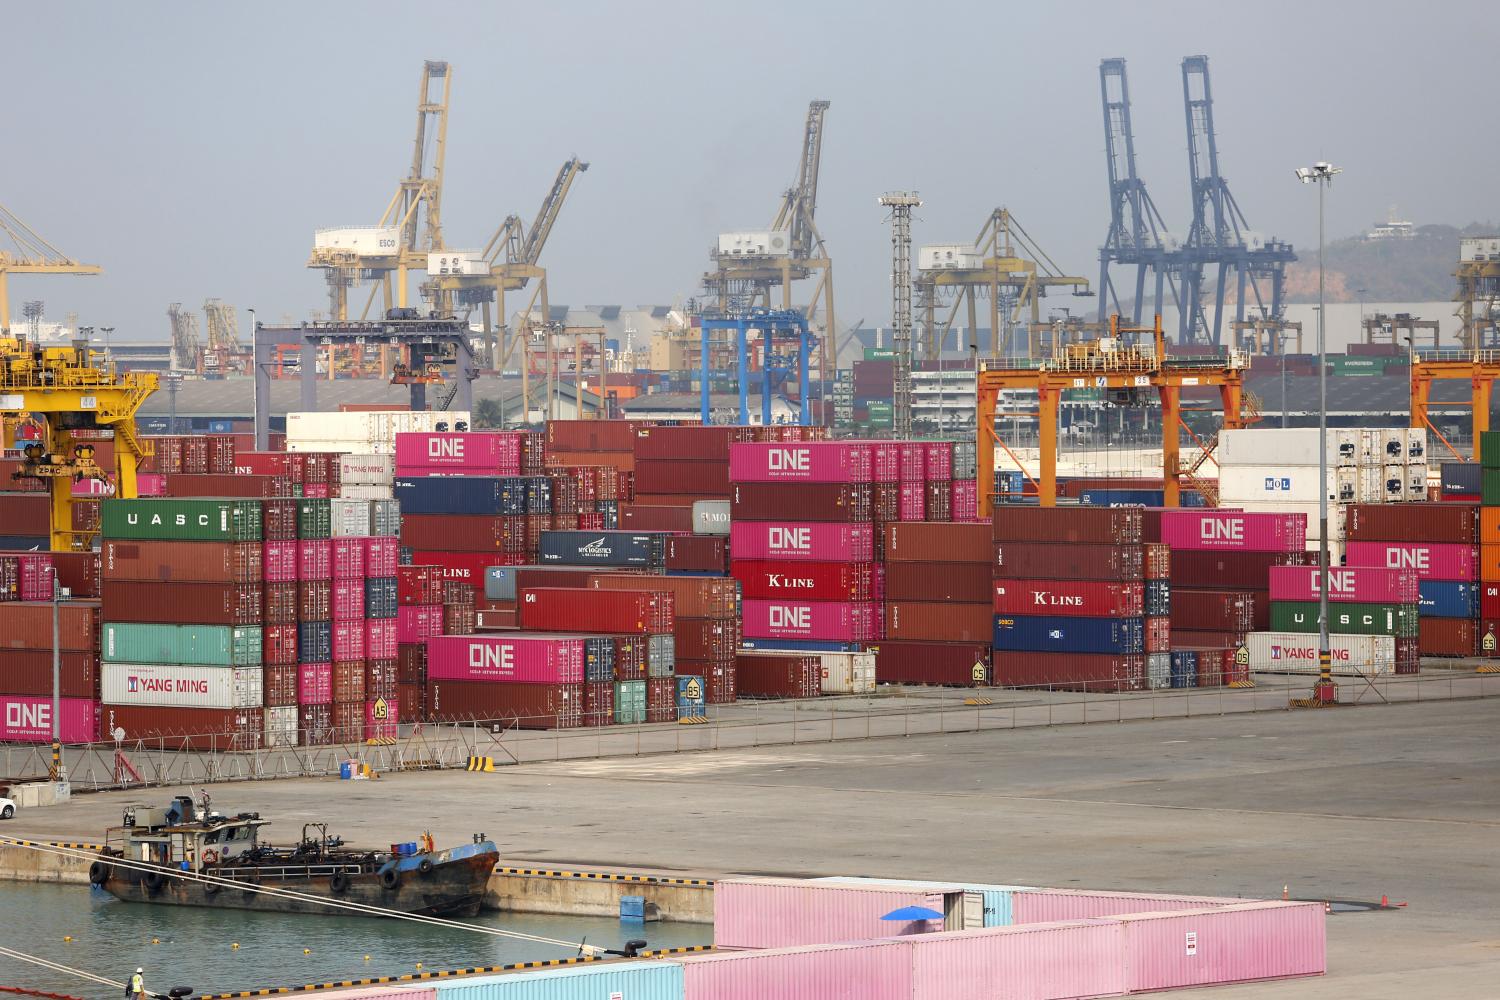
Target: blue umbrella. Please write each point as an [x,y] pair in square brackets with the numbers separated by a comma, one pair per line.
[913,913]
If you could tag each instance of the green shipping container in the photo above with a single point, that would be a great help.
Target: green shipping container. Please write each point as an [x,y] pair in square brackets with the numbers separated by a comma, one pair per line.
[880,354]
[1358,365]
[204,645]
[314,519]
[1399,620]
[160,519]
[1489,449]
[630,703]
[1489,487]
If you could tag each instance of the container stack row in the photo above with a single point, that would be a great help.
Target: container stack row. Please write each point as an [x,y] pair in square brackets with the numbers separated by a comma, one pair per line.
[1439,543]
[939,604]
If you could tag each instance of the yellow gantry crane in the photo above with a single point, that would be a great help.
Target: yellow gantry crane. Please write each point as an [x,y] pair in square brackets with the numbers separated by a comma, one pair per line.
[31,255]
[68,389]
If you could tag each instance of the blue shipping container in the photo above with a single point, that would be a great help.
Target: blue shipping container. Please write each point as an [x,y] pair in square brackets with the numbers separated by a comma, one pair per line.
[1460,479]
[629,980]
[1184,669]
[803,645]
[25,543]
[1137,498]
[314,642]
[690,697]
[1158,598]
[1448,598]
[380,597]
[1060,634]
[602,548]
[461,495]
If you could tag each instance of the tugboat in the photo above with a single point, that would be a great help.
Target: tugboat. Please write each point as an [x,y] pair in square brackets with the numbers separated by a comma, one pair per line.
[189,855]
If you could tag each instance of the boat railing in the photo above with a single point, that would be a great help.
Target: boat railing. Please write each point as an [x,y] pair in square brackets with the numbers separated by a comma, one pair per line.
[248,873]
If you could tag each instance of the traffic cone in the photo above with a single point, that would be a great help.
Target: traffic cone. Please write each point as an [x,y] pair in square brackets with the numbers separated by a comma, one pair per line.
[1385,903]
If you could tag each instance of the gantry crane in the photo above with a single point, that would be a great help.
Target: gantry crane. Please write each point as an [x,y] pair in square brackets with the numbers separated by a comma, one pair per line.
[1478,294]
[411,227]
[1479,368]
[186,348]
[508,262]
[747,266]
[994,269]
[1108,364]
[32,255]
[68,389]
[223,354]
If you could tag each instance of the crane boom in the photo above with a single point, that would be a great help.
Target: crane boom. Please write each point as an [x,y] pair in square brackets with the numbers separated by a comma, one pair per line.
[800,204]
[546,216]
[32,255]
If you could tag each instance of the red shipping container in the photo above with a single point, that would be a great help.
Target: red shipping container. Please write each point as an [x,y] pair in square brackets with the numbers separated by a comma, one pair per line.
[1451,636]
[26,514]
[1202,639]
[688,444]
[937,543]
[380,638]
[590,435]
[692,596]
[1158,635]
[1075,598]
[642,517]
[78,572]
[29,626]
[630,656]
[419,585]
[702,479]
[466,568]
[348,682]
[842,502]
[279,685]
[661,699]
[564,610]
[278,562]
[315,724]
[1070,671]
[524,706]
[183,603]
[348,640]
[1041,560]
[1454,523]
[29,671]
[1240,570]
[347,721]
[182,562]
[939,622]
[702,638]
[1409,655]
[464,532]
[26,576]
[696,554]
[1214,610]
[411,700]
[279,643]
[411,663]
[281,602]
[262,463]
[227,485]
[220,457]
[278,520]
[1097,525]
[964,583]
[950,664]
[382,717]
[778,675]
[315,559]
[814,581]
[315,601]
[381,678]
[599,704]
[186,728]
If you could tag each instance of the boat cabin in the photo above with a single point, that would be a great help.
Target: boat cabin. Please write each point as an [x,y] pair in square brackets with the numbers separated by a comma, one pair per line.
[184,835]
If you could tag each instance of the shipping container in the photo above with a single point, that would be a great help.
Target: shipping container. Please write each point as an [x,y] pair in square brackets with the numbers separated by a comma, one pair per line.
[182,562]
[26,576]
[1453,523]
[767,674]
[27,625]
[1236,943]
[1297,652]
[938,622]
[694,478]
[520,657]
[483,533]
[1239,531]
[838,502]
[1346,618]
[780,913]
[1430,561]
[607,611]
[711,517]
[1041,560]
[1214,610]
[953,664]
[227,485]
[1241,570]
[181,520]
[525,706]
[1035,906]
[1102,525]
[847,673]
[636,980]
[183,603]
[1075,959]
[692,597]
[601,548]
[1369,584]
[870,970]
[936,543]
[186,728]
[1449,599]
[1070,671]
[815,581]
[478,453]
[181,685]
[794,619]
[1056,633]
[29,671]
[209,645]
[1452,637]
[801,541]
[807,462]
[655,517]
[28,719]
[1080,598]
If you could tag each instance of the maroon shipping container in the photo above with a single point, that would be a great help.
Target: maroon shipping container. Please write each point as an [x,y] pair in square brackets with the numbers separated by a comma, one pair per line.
[1100,525]
[1049,560]
[965,583]
[599,704]
[464,532]
[696,553]
[315,600]
[411,663]
[1409,655]
[349,681]
[183,603]
[630,656]
[661,699]
[279,644]
[937,542]
[720,684]
[28,625]
[78,572]
[278,519]
[182,562]
[642,517]
[1158,561]
[186,728]
[679,444]
[1158,635]
[419,585]
[814,581]
[692,596]
[279,605]
[703,638]
[347,721]
[840,502]
[525,706]
[939,622]
[279,685]
[1239,570]
[702,479]
[315,725]
[565,610]
[1071,671]
[382,677]
[949,664]
[778,675]
[227,485]
[28,514]
[1216,665]
[29,671]
[220,453]
[1450,523]
[1450,636]
[1203,639]
[590,435]
[1214,610]
[939,500]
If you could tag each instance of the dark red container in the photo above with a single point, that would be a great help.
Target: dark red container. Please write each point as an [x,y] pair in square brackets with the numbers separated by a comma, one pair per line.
[696,553]
[279,644]
[183,603]
[1238,570]
[1450,636]
[315,601]
[1097,525]
[1451,523]
[566,610]
[187,728]
[78,572]
[590,435]
[939,622]
[964,583]
[703,638]
[1038,560]
[28,514]
[691,596]
[280,603]
[278,519]
[263,463]
[1158,561]
[643,517]
[221,453]
[1158,637]
[949,664]
[1204,639]
[700,479]
[630,655]
[936,542]
[599,704]
[459,620]
[279,685]
[839,502]
[698,444]
[381,678]
[1214,610]
[419,585]
[347,719]
[525,706]
[816,581]
[349,681]
[778,675]
[1071,671]
[1409,655]
[661,699]
[227,485]
[411,663]
[464,532]
[29,672]
[182,562]
[25,625]
[412,701]
[315,724]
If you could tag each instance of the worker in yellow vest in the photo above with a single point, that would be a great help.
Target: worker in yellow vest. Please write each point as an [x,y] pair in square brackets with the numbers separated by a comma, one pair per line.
[137,988]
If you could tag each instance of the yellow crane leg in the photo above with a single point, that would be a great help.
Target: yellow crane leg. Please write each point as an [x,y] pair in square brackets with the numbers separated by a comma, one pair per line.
[1481,386]
[1047,397]
[1171,462]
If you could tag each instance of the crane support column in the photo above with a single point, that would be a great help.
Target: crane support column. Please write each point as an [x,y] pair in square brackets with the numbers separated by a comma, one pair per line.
[1048,397]
[1171,463]
[984,454]
[1481,386]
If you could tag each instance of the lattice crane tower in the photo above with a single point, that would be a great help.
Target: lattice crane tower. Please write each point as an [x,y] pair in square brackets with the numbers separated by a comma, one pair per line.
[901,203]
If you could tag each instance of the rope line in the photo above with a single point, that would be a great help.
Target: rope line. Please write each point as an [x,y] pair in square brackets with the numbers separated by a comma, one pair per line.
[21,956]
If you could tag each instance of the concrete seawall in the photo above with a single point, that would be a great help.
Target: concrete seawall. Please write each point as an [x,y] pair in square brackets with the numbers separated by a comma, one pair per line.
[21,864]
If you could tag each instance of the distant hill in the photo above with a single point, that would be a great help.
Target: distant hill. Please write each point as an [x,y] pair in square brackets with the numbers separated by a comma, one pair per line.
[1418,268]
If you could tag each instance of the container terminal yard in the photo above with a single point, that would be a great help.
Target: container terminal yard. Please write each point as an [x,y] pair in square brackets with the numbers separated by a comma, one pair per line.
[433,642]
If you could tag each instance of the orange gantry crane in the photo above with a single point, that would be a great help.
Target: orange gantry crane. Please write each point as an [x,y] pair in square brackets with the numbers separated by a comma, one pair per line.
[1479,368]
[1109,364]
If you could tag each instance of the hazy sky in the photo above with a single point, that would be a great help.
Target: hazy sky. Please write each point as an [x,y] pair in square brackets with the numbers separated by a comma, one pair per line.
[192,149]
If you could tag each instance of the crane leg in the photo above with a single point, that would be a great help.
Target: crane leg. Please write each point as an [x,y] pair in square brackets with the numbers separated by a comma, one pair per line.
[1171,463]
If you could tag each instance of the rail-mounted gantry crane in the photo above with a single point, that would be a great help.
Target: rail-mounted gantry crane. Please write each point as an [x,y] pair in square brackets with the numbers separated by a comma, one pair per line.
[68,389]
[749,265]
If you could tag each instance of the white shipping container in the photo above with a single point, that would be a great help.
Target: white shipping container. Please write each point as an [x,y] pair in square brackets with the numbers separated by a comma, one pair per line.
[281,727]
[1416,481]
[1297,653]
[364,432]
[1261,446]
[1416,444]
[349,517]
[1284,483]
[710,517]
[180,686]
[385,518]
[1393,483]
[948,257]
[848,673]
[1371,484]
[371,470]
[365,491]
[1158,670]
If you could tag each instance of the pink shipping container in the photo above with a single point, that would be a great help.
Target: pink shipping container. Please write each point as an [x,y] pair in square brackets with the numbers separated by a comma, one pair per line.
[938,458]
[382,717]
[416,622]
[1232,944]
[278,561]
[348,640]
[784,913]
[26,719]
[150,484]
[913,501]
[34,575]
[965,500]
[347,558]
[1039,906]
[840,621]
[346,601]
[523,658]
[913,461]
[801,462]
[382,556]
[1430,561]
[1235,530]
[380,639]
[1072,959]
[870,970]
[1367,584]
[314,683]
[314,559]
[316,491]
[459,453]
[801,541]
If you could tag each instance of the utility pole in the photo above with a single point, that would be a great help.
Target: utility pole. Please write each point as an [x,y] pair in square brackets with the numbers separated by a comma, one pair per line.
[901,203]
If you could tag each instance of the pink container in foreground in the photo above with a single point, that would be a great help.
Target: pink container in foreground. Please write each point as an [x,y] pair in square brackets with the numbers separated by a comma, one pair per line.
[1231,944]
[1372,584]
[1038,906]
[1234,530]
[476,453]
[786,913]
[801,541]
[278,562]
[834,620]
[25,719]
[1072,959]
[519,658]
[801,462]
[870,970]
[1430,561]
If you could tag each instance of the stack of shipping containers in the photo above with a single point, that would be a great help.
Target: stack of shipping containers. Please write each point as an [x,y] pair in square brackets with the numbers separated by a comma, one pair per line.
[1296,650]
[1487,485]
[939,615]
[26,580]
[1439,543]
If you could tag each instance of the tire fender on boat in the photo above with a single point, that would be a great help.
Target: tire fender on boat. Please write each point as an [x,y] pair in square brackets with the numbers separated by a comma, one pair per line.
[390,878]
[425,866]
[340,882]
[99,873]
[153,882]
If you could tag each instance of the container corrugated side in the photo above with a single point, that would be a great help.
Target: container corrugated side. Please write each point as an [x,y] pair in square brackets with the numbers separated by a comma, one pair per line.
[212,645]
[180,685]
[779,913]
[1074,959]
[28,719]
[378,992]
[997,898]
[183,520]
[1035,906]
[870,970]
[1232,944]
[1297,652]
[635,980]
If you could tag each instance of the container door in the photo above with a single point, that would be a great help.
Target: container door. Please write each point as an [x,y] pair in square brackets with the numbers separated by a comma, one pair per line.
[953,910]
[973,910]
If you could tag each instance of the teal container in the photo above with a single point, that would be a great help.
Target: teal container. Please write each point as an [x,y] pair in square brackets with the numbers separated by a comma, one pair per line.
[314,518]
[628,980]
[880,354]
[630,703]
[1347,618]
[205,645]
[1489,449]
[1489,487]
[171,519]
[1359,364]
[690,697]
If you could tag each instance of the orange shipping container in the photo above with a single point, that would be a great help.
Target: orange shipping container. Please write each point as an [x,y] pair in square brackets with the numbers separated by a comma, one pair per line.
[939,621]
[1489,526]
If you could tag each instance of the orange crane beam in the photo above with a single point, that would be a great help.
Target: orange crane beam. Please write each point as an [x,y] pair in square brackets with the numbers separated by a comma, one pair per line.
[1479,368]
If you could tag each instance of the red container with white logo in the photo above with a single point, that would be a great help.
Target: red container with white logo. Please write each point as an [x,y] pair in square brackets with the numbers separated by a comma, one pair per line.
[28,719]
[462,567]
[473,453]
[529,659]
[279,562]
[416,622]
[816,620]
[802,541]
[814,581]
[417,584]
[382,556]
[804,462]
[262,463]
[279,644]
[1234,530]
[1430,561]
[314,683]
[1078,598]
[314,559]
[1365,584]
[380,639]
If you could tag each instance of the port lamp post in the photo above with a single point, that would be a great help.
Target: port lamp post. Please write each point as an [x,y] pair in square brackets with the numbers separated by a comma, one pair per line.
[1325,693]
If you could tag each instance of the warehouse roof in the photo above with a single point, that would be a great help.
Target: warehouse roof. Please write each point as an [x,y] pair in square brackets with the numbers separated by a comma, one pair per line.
[236,397]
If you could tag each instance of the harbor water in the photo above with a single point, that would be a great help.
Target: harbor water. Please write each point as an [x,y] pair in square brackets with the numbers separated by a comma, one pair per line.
[191,946]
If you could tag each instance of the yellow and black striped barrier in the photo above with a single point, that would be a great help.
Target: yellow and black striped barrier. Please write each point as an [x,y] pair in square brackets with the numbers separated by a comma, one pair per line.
[67,844]
[974,702]
[478,970]
[605,876]
[480,764]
